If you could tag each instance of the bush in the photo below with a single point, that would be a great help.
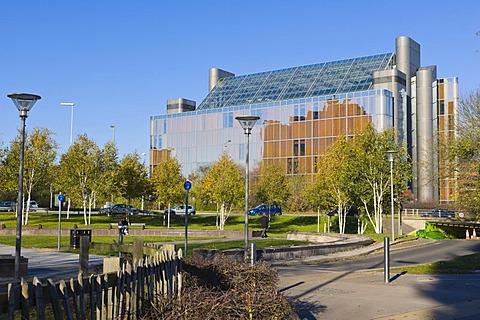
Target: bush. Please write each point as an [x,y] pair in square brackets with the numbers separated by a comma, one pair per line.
[226,290]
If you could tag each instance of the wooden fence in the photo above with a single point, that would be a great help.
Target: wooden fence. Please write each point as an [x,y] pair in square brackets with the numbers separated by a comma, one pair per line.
[125,294]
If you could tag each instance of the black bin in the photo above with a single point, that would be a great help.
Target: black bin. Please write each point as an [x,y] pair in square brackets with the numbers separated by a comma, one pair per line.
[75,235]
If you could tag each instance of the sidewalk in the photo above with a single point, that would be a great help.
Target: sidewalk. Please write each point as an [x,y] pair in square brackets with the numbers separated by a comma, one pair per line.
[46,264]
[365,296]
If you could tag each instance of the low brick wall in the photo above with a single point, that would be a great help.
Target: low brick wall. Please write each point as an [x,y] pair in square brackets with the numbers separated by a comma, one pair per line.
[164,232]
[336,243]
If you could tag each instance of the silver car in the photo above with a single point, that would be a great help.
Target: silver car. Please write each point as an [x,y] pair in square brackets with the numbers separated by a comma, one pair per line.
[8,206]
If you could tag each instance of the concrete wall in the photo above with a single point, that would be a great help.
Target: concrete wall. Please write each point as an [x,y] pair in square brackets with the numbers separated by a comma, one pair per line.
[349,242]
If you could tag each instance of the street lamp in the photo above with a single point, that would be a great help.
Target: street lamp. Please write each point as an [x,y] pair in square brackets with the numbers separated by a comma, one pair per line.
[225,145]
[144,167]
[247,123]
[70,104]
[391,155]
[113,133]
[24,103]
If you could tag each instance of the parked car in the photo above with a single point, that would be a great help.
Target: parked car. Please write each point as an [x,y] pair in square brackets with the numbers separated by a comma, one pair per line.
[180,209]
[33,204]
[118,208]
[439,213]
[8,206]
[259,210]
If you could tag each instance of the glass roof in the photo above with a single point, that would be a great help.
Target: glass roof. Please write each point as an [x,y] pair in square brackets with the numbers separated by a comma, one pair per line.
[299,82]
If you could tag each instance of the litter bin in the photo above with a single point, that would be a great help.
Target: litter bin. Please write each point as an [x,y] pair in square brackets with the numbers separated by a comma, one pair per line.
[75,235]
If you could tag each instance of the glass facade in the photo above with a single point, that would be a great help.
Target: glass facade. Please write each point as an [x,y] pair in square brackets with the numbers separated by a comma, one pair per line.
[293,132]
[447,111]
[320,79]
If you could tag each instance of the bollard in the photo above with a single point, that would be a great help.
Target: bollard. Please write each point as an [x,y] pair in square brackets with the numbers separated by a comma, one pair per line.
[386,266]
[253,255]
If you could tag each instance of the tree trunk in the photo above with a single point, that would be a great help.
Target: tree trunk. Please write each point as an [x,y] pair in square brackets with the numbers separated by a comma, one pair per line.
[84,211]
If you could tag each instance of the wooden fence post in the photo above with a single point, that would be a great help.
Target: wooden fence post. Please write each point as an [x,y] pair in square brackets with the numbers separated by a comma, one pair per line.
[52,290]
[39,298]
[24,299]
[84,252]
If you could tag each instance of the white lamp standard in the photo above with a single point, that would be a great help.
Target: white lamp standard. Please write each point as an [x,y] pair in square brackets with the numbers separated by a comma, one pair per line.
[391,155]
[247,123]
[144,167]
[24,103]
[70,104]
[113,133]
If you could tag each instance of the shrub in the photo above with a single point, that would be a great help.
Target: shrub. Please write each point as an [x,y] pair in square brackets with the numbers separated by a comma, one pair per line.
[226,290]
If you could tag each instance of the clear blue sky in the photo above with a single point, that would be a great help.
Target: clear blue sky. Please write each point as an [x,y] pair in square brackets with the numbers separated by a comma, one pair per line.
[119,61]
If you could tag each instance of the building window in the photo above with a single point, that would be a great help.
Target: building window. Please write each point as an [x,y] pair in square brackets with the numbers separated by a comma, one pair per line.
[156,142]
[299,147]
[292,166]
[299,112]
[228,120]
[441,107]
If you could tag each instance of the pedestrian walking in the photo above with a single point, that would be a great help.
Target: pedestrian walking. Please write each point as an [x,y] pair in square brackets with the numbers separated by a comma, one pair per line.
[264,221]
[123,226]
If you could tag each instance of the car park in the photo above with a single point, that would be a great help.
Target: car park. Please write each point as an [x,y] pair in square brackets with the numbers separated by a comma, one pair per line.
[8,206]
[118,208]
[272,210]
[439,213]
[180,209]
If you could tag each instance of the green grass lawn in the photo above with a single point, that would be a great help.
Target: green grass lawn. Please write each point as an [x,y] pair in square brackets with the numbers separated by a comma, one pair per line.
[279,226]
[460,265]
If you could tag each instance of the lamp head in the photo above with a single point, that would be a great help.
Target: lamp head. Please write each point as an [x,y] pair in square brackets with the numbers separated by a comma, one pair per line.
[391,154]
[24,102]
[247,122]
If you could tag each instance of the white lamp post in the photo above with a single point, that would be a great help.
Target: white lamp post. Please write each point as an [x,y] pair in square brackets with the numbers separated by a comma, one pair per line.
[24,103]
[247,123]
[70,104]
[391,155]
[113,133]
[144,167]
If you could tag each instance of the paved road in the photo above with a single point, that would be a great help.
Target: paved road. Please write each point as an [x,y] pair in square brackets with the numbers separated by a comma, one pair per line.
[356,289]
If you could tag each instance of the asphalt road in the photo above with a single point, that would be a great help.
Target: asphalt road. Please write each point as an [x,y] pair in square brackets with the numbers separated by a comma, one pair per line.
[356,288]
[409,253]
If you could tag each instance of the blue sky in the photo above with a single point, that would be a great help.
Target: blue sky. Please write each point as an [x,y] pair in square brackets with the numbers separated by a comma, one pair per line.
[120,61]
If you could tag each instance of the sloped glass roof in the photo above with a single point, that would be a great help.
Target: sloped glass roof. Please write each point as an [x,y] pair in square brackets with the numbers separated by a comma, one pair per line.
[299,82]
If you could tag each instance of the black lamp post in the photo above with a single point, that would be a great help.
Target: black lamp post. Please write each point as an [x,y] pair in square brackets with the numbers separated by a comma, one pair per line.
[24,102]
[391,155]
[247,123]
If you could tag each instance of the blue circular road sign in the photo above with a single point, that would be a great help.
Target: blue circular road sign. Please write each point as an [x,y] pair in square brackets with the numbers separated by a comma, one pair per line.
[187,185]
[61,198]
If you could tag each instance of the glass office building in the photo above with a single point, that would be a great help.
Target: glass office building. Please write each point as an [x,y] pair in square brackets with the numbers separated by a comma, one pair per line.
[304,109]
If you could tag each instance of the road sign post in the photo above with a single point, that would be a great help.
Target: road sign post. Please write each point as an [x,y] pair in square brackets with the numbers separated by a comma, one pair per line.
[187,186]
[61,199]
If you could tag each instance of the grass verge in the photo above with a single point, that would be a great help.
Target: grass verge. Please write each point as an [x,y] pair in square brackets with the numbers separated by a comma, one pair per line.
[461,265]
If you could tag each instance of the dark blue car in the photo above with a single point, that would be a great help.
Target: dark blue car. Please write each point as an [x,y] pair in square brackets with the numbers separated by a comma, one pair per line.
[263,208]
